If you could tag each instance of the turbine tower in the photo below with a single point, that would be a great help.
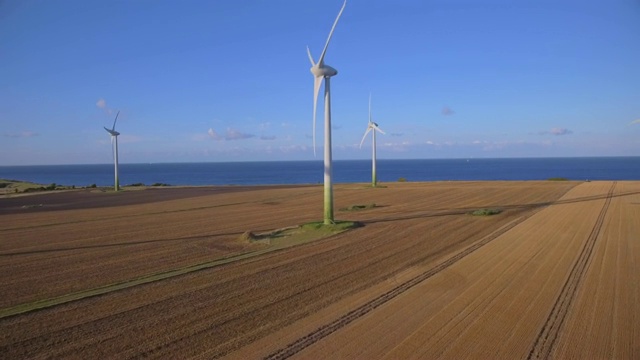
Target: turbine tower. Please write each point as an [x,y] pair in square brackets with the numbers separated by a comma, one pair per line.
[372,127]
[322,71]
[114,144]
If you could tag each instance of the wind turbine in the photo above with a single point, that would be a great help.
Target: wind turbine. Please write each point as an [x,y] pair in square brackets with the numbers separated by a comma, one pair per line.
[114,143]
[322,71]
[372,127]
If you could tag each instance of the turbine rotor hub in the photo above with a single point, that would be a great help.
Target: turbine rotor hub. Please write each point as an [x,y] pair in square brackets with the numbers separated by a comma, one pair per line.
[323,71]
[112,132]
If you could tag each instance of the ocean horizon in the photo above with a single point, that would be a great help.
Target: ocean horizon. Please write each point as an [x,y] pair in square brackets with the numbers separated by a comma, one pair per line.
[344,171]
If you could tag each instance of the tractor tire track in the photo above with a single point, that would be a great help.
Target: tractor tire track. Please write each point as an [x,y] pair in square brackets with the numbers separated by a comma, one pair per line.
[326,330]
[548,335]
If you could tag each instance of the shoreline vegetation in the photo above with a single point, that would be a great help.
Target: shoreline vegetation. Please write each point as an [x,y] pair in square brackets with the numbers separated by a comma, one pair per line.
[20,187]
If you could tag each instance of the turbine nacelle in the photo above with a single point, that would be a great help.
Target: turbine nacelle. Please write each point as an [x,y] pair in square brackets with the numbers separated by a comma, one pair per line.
[112,132]
[370,128]
[323,71]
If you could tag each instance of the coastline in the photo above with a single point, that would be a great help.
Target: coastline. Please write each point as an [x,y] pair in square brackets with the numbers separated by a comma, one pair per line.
[345,171]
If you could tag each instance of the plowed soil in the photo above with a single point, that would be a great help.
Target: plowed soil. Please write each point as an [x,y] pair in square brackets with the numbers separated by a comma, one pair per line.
[554,274]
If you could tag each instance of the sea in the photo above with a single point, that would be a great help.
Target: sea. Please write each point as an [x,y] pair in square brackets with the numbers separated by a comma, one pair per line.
[344,171]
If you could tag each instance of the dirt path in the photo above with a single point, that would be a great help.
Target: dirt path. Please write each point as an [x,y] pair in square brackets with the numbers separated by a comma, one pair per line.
[603,322]
[548,335]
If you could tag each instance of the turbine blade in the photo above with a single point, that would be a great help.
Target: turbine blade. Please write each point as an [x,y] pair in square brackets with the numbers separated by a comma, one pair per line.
[324,51]
[114,121]
[364,136]
[316,89]
[310,57]
[375,127]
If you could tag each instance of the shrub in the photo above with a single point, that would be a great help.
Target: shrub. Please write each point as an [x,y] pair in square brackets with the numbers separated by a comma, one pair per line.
[248,236]
[359,207]
[402,179]
[486,212]
[557,179]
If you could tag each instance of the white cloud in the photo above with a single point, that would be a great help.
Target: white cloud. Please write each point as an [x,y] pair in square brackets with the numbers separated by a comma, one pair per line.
[214,135]
[102,104]
[233,134]
[293,148]
[447,111]
[637,121]
[561,131]
[23,134]
[557,132]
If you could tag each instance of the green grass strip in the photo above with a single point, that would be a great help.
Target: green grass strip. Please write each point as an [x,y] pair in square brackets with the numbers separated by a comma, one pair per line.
[278,245]
[41,304]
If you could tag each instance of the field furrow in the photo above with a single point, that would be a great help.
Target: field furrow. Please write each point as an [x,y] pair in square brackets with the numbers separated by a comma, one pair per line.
[549,333]
[421,279]
[603,323]
[496,308]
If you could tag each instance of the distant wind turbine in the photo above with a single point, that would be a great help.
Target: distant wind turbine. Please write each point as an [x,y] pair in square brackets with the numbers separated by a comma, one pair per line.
[114,144]
[322,71]
[372,127]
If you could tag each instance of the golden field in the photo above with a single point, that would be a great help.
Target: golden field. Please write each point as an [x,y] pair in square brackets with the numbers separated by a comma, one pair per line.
[165,273]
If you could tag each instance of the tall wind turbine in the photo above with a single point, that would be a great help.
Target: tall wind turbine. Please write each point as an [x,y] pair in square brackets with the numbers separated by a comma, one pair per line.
[372,127]
[114,144]
[322,71]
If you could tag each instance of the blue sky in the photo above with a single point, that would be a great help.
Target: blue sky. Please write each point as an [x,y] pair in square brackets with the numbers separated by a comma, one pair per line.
[229,80]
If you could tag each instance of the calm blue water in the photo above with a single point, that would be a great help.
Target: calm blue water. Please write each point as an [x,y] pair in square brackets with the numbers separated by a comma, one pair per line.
[346,171]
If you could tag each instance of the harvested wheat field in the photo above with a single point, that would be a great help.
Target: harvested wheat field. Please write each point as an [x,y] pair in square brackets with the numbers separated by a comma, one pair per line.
[165,273]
